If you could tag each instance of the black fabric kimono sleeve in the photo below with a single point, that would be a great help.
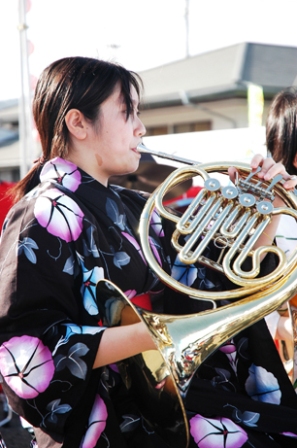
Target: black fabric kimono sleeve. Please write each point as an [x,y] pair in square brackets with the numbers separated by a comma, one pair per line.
[49,320]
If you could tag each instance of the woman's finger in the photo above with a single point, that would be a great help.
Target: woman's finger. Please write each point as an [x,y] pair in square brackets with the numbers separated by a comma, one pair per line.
[290,182]
[256,161]
[270,169]
[232,171]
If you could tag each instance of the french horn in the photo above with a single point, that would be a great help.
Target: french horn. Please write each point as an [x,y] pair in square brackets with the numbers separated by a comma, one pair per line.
[233,217]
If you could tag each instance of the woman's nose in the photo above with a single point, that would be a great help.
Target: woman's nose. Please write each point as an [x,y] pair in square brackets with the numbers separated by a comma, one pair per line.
[140,128]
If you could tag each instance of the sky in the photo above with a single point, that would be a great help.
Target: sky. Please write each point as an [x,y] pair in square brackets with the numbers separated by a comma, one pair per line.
[139,34]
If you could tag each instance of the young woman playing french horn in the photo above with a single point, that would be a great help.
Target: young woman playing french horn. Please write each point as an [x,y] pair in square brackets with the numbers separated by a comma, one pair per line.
[67,230]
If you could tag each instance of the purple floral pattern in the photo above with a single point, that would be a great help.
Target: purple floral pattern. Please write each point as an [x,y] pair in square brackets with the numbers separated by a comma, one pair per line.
[230,350]
[130,293]
[216,432]
[96,424]
[63,172]
[59,214]
[133,241]
[26,365]
[290,434]
[154,247]
[74,233]
[156,223]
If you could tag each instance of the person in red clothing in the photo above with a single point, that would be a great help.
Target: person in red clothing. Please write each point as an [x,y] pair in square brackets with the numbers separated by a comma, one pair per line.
[6,200]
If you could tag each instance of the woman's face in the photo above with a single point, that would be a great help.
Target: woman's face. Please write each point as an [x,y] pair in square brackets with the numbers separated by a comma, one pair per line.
[114,139]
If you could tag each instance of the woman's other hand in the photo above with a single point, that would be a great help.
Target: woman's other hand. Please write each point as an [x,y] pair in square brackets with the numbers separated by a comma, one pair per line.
[270,168]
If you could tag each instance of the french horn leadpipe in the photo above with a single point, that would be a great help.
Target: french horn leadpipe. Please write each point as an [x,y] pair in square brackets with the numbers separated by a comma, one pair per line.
[234,218]
[163,155]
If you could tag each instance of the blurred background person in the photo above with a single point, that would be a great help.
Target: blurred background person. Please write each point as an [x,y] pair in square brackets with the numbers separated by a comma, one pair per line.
[281,142]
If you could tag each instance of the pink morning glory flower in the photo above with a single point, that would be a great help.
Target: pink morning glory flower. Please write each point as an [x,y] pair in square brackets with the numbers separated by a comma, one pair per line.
[216,432]
[156,223]
[135,244]
[59,214]
[96,424]
[26,365]
[228,347]
[63,171]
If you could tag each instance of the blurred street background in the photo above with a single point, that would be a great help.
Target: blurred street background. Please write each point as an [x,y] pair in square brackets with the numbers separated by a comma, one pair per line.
[13,432]
[14,435]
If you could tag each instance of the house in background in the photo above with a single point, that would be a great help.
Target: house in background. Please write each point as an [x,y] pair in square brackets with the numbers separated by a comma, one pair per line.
[207,92]
[210,91]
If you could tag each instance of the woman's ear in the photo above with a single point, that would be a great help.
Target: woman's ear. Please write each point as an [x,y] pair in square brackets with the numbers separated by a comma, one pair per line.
[76,124]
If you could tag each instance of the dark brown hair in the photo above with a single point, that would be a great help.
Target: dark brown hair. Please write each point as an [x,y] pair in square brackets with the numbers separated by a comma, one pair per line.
[72,83]
[281,128]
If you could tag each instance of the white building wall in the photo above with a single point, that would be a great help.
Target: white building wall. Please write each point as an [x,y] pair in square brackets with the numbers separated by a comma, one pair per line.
[227,114]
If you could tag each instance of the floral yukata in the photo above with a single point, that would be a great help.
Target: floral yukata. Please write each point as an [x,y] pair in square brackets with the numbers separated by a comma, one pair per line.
[57,243]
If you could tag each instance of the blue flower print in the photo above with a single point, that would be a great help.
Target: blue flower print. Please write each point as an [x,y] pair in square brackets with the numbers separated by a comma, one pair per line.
[73,329]
[55,409]
[73,360]
[90,247]
[247,418]
[121,259]
[262,385]
[204,282]
[222,379]
[113,213]
[69,266]
[26,246]
[185,274]
[88,289]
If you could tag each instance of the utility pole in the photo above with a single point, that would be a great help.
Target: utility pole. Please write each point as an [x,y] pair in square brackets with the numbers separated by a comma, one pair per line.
[187,27]
[25,116]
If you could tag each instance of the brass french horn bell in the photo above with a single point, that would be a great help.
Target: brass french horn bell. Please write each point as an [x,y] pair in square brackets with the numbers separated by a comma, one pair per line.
[233,217]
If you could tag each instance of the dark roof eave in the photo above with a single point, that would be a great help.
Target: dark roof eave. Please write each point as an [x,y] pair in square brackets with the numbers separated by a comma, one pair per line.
[198,96]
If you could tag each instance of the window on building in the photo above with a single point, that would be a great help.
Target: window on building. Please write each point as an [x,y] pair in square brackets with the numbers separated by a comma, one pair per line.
[192,127]
[179,128]
[156,130]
